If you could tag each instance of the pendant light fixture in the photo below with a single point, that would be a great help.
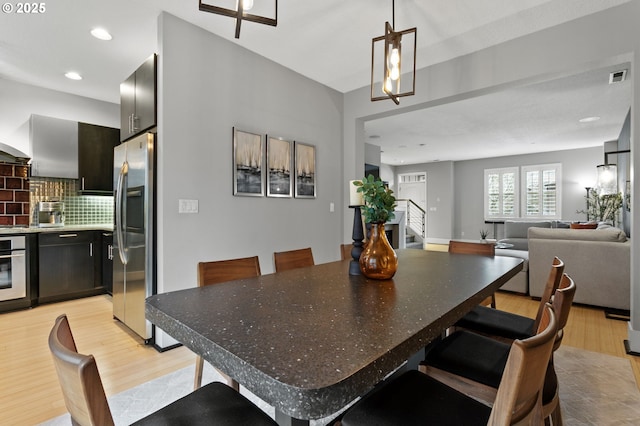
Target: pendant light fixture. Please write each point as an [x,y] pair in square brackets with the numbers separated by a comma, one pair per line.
[393,54]
[241,12]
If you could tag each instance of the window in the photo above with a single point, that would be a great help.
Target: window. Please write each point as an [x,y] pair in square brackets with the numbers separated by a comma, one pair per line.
[541,195]
[501,193]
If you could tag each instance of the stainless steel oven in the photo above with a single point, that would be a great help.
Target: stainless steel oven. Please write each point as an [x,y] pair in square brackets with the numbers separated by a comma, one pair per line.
[13,269]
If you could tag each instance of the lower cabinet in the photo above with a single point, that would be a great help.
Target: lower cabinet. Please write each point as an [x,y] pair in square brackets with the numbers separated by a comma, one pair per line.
[107,261]
[69,265]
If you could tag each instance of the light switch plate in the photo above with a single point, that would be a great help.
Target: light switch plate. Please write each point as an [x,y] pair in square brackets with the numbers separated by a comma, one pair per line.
[187,206]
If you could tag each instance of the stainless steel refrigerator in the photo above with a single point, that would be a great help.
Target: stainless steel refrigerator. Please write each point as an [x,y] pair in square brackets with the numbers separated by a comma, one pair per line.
[134,275]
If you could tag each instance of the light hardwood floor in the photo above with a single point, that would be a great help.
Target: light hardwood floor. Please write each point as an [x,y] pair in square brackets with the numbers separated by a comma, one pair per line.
[29,390]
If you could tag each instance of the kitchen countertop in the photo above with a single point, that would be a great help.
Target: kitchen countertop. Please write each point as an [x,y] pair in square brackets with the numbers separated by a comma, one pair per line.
[66,228]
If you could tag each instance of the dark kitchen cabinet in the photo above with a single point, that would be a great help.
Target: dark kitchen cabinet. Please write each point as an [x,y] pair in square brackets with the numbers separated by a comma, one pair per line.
[68,265]
[138,100]
[107,261]
[95,157]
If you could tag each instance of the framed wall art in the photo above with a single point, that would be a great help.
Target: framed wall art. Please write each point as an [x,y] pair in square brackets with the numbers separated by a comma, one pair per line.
[248,170]
[305,176]
[279,160]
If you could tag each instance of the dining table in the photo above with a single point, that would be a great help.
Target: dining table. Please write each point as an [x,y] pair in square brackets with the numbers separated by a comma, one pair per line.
[310,341]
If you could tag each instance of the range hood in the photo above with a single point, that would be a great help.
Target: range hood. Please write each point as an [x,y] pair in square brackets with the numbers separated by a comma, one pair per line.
[11,155]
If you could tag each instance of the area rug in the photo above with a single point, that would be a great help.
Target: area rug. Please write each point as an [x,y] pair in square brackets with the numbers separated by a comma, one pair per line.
[595,389]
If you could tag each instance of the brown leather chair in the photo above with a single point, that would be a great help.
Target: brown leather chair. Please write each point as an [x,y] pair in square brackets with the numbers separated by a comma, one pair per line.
[417,399]
[87,403]
[293,259]
[482,249]
[217,272]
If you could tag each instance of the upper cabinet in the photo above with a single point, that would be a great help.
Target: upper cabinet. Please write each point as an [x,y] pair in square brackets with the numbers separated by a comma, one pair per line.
[71,150]
[95,157]
[138,100]
[54,147]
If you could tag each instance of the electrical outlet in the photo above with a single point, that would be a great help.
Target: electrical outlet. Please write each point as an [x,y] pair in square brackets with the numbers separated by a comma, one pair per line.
[187,206]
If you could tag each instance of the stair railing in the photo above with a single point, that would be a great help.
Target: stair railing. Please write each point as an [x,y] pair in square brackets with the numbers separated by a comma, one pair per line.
[416,217]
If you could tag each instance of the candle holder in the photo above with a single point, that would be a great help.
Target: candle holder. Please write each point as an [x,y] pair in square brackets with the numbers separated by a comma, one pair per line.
[357,235]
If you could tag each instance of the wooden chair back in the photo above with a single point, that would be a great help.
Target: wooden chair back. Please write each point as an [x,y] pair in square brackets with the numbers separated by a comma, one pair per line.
[216,272]
[553,281]
[519,394]
[468,247]
[345,251]
[78,374]
[220,271]
[293,259]
[562,301]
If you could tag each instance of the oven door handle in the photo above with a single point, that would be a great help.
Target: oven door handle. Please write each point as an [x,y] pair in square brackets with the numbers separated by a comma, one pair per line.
[9,256]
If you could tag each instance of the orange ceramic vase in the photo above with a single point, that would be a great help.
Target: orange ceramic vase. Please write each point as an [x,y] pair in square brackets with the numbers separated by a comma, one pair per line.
[378,260]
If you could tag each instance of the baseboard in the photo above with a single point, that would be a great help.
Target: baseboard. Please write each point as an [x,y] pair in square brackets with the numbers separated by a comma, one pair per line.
[617,314]
[627,348]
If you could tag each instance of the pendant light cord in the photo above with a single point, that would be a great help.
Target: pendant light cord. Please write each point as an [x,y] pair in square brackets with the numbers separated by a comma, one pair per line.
[393,14]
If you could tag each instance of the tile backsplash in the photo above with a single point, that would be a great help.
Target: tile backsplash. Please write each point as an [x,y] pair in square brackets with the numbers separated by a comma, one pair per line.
[78,209]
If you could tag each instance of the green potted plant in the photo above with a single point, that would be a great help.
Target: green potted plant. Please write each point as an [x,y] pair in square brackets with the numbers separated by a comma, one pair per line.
[378,259]
[483,235]
[602,208]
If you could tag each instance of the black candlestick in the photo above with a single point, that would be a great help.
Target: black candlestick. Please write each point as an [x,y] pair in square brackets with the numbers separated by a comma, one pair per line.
[358,235]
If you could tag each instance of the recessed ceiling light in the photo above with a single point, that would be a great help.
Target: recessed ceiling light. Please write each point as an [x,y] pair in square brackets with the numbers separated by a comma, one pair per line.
[589,119]
[101,34]
[72,75]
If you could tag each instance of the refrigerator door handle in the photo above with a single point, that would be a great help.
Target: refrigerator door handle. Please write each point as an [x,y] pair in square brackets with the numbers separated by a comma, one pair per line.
[121,210]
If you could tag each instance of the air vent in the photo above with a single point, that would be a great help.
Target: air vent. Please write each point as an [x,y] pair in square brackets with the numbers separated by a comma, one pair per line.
[617,76]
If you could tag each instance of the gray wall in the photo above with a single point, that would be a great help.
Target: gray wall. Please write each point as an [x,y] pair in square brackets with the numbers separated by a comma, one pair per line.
[26,100]
[578,172]
[208,85]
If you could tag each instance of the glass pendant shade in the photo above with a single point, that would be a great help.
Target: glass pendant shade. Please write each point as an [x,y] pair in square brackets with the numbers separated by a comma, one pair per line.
[262,12]
[607,179]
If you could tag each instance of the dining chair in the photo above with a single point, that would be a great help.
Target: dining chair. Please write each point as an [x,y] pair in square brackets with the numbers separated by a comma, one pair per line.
[417,399]
[293,259]
[483,249]
[217,272]
[474,364]
[85,399]
[506,325]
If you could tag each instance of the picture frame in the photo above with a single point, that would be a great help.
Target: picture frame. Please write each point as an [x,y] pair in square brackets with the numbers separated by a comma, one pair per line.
[305,170]
[248,170]
[279,167]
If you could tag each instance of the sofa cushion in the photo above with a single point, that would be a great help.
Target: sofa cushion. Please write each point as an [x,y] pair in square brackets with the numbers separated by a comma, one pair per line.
[522,254]
[517,229]
[607,234]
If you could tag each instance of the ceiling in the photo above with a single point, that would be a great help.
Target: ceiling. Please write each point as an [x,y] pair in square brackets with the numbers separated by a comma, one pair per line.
[330,41]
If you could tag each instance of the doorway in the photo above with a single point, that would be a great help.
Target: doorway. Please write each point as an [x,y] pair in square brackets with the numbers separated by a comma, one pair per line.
[412,193]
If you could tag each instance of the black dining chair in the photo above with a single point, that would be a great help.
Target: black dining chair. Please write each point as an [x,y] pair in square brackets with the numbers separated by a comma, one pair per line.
[84,397]
[474,364]
[417,399]
[506,325]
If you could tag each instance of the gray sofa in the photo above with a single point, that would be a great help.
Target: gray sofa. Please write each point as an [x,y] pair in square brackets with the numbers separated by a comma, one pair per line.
[515,233]
[597,259]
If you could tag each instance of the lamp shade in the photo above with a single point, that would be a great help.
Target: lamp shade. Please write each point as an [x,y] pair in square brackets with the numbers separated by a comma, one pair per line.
[607,179]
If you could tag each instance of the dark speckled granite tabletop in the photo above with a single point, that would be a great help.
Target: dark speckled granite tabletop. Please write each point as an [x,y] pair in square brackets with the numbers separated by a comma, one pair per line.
[310,340]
